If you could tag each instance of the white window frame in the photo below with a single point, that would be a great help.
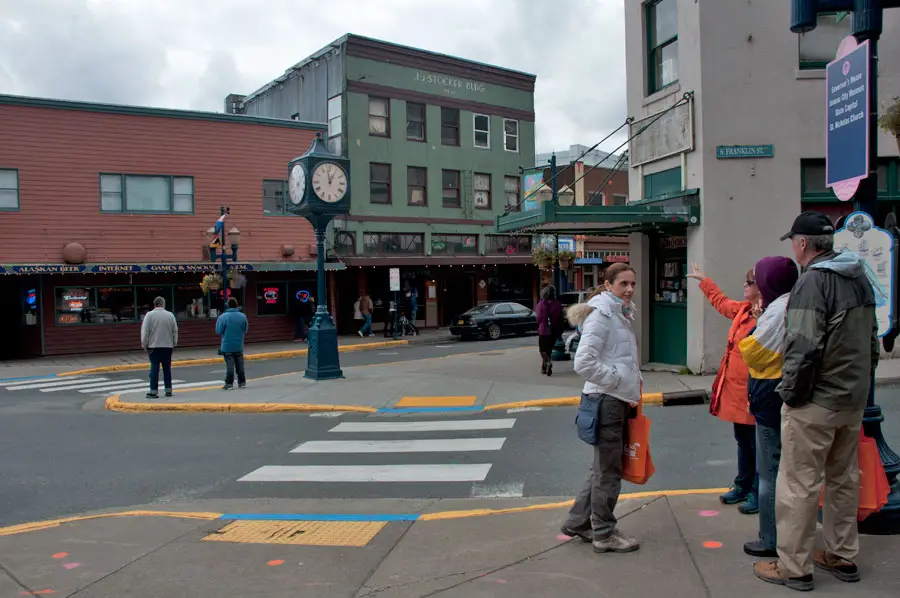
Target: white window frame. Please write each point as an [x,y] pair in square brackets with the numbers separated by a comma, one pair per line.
[617,195]
[476,130]
[386,116]
[9,190]
[335,103]
[507,136]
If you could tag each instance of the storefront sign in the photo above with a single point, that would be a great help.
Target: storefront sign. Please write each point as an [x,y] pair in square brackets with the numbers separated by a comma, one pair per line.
[745,151]
[115,268]
[121,268]
[271,295]
[180,268]
[395,279]
[449,83]
[302,296]
[566,244]
[48,269]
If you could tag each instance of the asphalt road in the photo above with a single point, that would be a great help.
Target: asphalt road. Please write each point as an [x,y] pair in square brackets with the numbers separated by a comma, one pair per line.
[62,456]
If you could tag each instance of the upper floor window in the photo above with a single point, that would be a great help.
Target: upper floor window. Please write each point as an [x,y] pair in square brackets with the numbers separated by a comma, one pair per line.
[9,189]
[415,121]
[344,243]
[482,191]
[511,135]
[392,244]
[662,44]
[417,185]
[482,126]
[449,126]
[454,244]
[450,188]
[274,195]
[619,200]
[335,124]
[146,193]
[662,183]
[596,198]
[508,245]
[379,183]
[819,46]
[380,117]
[512,188]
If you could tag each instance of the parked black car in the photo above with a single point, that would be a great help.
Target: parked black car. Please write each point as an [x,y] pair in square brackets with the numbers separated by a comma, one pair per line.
[494,320]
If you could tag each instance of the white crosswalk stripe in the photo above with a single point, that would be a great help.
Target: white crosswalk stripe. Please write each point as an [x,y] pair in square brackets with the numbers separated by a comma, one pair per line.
[97,385]
[395,458]
[177,386]
[52,382]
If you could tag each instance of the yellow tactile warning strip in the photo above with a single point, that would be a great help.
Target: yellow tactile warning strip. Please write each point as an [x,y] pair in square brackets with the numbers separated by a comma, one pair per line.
[436,402]
[300,533]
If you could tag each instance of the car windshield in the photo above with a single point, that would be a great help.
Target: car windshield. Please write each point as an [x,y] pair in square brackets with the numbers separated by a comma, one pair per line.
[478,309]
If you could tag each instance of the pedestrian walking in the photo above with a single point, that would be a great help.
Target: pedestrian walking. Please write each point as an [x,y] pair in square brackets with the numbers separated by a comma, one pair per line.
[412,307]
[365,310]
[831,350]
[607,358]
[302,315]
[763,352]
[159,337]
[729,391]
[549,315]
[232,327]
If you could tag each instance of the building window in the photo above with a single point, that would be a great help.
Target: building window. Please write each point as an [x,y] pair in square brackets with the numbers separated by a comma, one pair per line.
[417,185]
[619,200]
[188,303]
[450,188]
[511,135]
[454,244]
[662,44]
[146,194]
[481,123]
[449,126]
[662,183]
[508,245]
[9,189]
[511,185]
[415,121]
[818,47]
[344,243]
[380,117]
[147,294]
[274,198]
[393,244]
[596,198]
[812,180]
[335,124]
[482,183]
[271,299]
[379,183]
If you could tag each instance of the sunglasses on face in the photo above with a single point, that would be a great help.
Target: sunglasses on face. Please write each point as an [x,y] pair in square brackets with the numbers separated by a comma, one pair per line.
[749,283]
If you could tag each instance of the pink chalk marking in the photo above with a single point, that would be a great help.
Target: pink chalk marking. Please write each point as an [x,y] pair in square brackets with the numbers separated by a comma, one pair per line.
[712,544]
[71,566]
[275,563]
[563,537]
[708,513]
[60,555]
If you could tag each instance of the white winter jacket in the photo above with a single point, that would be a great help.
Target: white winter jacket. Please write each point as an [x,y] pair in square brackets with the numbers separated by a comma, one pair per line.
[607,356]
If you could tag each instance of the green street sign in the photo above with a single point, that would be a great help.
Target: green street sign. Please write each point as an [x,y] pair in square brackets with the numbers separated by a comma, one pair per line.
[724,152]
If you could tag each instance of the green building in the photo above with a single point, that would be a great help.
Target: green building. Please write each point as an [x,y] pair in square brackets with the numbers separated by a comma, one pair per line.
[436,145]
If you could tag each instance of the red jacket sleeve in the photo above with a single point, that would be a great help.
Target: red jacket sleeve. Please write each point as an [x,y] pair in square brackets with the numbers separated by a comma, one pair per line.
[725,306]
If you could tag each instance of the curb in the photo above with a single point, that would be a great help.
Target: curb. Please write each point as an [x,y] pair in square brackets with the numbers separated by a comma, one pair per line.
[666,399]
[130,367]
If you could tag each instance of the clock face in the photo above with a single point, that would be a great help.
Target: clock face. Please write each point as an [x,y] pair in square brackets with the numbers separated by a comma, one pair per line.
[329,181]
[297,184]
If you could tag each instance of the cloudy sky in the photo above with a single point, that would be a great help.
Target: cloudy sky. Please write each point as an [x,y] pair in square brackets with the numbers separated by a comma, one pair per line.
[192,53]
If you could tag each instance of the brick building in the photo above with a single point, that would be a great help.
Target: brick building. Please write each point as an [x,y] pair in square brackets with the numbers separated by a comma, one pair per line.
[130,193]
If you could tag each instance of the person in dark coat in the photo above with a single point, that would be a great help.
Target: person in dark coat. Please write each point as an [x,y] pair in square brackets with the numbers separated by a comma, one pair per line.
[549,315]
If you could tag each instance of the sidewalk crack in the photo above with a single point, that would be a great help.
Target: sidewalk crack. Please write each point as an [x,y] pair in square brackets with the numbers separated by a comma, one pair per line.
[687,545]
[15,579]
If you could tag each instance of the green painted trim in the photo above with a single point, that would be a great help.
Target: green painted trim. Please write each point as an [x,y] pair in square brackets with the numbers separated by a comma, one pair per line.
[549,213]
[18,192]
[124,193]
[11,100]
[665,197]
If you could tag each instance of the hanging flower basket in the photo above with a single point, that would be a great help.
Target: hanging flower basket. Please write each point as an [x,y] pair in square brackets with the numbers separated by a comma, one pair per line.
[211,282]
[890,120]
[543,258]
[565,259]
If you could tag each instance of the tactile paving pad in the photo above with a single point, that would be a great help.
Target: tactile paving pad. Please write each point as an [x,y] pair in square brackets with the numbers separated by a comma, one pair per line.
[301,533]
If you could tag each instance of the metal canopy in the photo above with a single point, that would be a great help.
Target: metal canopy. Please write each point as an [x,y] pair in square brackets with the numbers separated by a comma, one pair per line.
[671,211]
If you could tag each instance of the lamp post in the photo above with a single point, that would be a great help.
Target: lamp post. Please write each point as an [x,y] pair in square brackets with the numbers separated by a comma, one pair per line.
[564,198]
[217,252]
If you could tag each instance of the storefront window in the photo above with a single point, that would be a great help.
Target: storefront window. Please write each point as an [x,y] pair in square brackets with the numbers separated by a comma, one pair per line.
[115,304]
[271,299]
[672,270]
[74,305]
[189,302]
[508,245]
[454,244]
[147,295]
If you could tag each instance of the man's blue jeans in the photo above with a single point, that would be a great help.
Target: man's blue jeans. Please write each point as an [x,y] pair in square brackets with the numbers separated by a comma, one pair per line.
[746,481]
[768,457]
[367,325]
[160,357]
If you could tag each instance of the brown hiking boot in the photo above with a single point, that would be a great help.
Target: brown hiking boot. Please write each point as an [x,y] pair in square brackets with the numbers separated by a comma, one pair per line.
[616,542]
[770,572]
[841,568]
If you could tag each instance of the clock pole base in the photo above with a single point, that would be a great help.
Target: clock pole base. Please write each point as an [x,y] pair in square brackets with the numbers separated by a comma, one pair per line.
[323,359]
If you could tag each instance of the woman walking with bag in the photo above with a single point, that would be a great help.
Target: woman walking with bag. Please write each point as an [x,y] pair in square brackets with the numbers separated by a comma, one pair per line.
[607,358]
[729,392]
[550,319]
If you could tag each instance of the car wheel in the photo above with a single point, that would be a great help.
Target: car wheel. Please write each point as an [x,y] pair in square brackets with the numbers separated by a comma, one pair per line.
[493,332]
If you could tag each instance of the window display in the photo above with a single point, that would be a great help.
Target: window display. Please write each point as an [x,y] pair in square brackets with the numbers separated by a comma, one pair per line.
[671,282]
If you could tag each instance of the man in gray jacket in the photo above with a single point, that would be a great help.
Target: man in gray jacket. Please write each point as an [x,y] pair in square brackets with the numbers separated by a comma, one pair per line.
[159,337]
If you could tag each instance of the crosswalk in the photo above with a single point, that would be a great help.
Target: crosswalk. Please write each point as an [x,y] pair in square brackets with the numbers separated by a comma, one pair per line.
[393,451]
[94,385]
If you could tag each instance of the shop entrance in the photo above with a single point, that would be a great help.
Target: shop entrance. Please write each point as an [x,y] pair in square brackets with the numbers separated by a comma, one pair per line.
[668,312]
[457,293]
[20,316]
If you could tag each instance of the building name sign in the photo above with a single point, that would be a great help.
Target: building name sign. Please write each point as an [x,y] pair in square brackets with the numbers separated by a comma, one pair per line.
[119,268]
[449,83]
[48,269]
[745,151]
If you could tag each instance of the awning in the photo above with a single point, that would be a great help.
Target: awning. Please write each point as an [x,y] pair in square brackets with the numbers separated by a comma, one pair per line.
[675,210]
[116,268]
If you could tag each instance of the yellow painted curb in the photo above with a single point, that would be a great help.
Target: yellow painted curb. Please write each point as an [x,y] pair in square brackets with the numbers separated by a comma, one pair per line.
[130,367]
[652,398]
[114,404]
[40,525]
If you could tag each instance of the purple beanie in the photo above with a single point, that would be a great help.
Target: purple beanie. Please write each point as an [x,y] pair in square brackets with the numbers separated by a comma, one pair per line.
[775,276]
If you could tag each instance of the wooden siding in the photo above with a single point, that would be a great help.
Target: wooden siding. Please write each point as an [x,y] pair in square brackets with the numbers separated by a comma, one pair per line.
[60,154]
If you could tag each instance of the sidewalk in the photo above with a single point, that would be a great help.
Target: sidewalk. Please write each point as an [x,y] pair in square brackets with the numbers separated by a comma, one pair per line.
[692,547]
[45,366]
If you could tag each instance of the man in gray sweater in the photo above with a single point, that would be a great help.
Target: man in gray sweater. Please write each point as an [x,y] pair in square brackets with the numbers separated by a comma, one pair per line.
[159,336]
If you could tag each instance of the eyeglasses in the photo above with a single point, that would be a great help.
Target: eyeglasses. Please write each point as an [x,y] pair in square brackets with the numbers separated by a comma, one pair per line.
[749,283]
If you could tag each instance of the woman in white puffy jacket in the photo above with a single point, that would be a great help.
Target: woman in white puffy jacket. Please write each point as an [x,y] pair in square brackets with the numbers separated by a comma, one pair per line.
[607,358]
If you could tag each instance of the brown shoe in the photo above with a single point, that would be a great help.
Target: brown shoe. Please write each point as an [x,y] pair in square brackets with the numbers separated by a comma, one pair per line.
[770,572]
[841,568]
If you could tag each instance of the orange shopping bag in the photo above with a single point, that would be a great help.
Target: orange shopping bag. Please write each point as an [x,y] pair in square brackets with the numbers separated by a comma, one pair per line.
[873,483]
[637,464]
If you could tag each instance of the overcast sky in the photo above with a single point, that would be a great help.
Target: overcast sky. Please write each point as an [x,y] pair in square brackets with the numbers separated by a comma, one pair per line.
[192,53]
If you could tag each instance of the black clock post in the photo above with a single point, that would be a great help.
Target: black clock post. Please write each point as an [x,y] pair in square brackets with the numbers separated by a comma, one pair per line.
[319,190]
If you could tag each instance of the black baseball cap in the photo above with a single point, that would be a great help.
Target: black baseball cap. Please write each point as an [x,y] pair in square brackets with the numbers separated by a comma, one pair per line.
[810,223]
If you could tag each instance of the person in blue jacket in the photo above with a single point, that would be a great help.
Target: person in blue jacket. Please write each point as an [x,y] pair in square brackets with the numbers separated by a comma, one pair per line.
[232,327]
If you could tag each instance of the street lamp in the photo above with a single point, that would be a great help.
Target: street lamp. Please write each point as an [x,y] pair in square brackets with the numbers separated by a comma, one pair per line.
[217,252]
[558,197]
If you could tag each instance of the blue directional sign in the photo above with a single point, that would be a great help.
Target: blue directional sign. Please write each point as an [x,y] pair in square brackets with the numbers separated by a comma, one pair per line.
[847,133]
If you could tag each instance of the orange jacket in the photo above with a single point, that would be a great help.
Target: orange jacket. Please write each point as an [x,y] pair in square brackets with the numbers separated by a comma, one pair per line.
[729,392]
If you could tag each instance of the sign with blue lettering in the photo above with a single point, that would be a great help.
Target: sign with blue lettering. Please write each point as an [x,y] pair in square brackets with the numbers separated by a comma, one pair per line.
[847,132]
[115,268]
[745,151]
